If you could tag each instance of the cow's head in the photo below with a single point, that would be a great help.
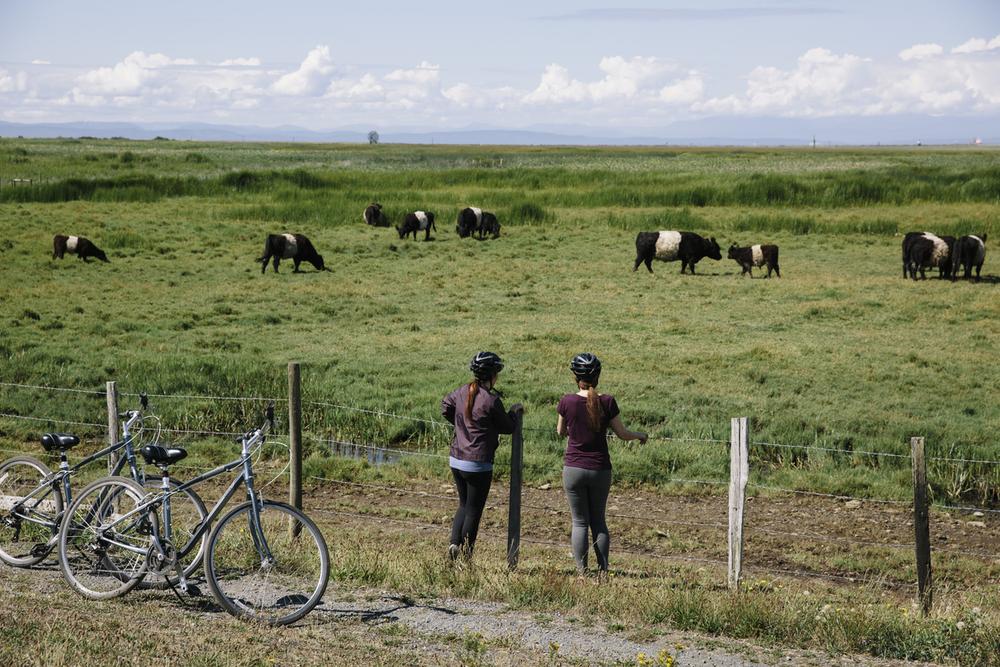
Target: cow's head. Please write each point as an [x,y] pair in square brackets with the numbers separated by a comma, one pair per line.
[713,249]
[732,251]
[319,264]
[400,230]
[99,254]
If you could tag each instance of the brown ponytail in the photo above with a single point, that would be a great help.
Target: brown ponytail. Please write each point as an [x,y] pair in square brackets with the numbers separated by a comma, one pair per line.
[594,413]
[473,390]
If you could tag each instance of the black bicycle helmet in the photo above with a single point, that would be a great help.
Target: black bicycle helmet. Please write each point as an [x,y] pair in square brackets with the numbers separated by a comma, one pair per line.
[485,365]
[586,366]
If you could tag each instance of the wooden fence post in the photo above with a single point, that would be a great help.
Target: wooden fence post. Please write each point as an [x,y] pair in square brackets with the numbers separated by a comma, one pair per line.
[514,504]
[921,524]
[112,395]
[294,443]
[739,472]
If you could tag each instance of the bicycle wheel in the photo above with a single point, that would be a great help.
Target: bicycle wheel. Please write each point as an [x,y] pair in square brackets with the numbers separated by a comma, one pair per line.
[278,590]
[103,541]
[29,511]
[187,512]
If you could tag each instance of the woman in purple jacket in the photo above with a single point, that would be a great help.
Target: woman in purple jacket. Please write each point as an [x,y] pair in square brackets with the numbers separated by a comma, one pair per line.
[479,418]
[585,417]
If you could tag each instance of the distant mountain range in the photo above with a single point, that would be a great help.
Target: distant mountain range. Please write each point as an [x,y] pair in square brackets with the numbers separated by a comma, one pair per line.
[749,131]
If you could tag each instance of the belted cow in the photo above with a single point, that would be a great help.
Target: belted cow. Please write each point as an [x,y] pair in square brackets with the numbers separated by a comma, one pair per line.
[296,247]
[756,255]
[374,216]
[469,221]
[422,221]
[669,246]
[969,251]
[76,245]
[488,225]
[923,250]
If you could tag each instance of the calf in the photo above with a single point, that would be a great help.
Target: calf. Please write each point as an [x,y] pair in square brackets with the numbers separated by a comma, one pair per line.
[756,255]
[669,246]
[923,250]
[373,216]
[296,247]
[469,221]
[76,245]
[488,225]
[969,251]
[417,221]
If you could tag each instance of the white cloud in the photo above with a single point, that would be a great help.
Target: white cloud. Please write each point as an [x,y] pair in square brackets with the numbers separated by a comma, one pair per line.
[240,62]
[977,44]
[310,78]
[684,91]
[366,88]
[424,73]
[130,76]
[13,83]
[40,62]
[624,79]
[920,51]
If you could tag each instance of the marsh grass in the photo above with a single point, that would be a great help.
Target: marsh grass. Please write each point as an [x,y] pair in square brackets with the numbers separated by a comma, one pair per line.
[840,353]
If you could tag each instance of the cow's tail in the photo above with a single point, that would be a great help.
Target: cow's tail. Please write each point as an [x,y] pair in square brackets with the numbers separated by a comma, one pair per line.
[267,246]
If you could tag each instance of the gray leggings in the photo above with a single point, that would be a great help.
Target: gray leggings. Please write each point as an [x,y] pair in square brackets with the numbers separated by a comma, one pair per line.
[587,491]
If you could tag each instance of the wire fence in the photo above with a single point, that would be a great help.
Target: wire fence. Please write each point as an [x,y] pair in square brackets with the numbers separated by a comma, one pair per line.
[377,453]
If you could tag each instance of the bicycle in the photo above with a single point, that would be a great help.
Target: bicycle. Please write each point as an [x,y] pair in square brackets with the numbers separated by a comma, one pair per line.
[265,560]
[32,497]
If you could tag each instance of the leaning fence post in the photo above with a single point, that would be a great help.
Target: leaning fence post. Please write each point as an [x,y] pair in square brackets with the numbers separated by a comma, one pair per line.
[921,523]
[112,395]
[514,505]
[294,443]
[739,472]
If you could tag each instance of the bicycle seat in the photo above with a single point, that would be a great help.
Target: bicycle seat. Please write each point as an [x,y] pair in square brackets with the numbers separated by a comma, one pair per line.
[156,455]
[52,442]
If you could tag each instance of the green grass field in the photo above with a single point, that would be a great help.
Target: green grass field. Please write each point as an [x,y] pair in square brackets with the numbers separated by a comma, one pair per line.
[841,352]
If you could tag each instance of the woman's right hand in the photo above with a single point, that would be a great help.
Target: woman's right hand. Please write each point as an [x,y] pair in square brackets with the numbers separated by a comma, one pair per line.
[642,437]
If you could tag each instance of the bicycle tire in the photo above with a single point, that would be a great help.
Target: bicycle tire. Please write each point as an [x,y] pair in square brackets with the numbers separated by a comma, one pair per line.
[184,519]
[278,593]
[93,562]
[19,477]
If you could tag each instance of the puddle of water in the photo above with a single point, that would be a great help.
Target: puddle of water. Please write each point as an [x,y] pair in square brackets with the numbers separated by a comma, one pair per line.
[374,455]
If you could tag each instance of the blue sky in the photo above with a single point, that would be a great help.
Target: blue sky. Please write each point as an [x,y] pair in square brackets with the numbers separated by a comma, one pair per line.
[512,64]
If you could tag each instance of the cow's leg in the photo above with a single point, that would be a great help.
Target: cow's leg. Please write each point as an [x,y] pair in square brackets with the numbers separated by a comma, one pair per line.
[691,264]
[649,263]
[263,263]
[979,268]
[683,265]
[275,261]
[777,270]
[638,261]
[296,262]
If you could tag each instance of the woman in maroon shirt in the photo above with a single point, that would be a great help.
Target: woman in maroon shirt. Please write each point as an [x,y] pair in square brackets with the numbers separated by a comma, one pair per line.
[585,417]
[477,412]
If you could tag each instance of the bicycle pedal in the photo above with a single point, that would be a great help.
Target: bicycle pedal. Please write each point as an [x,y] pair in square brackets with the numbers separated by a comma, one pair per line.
[194,591]
[39,550]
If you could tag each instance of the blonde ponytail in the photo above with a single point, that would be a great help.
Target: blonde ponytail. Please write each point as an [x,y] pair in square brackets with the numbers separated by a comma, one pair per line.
[594,413]
[473,390]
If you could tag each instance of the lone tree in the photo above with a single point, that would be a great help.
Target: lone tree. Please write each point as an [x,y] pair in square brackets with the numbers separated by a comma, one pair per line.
[373,137]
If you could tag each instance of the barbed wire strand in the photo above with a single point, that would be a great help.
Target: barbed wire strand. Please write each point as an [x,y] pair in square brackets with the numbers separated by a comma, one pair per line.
[50,388]
[50,419]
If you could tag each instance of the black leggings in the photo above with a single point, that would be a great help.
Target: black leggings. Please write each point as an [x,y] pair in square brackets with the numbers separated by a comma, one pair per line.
[473,489]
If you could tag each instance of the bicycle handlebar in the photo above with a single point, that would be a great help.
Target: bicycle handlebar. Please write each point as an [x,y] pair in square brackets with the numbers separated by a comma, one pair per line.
[261,431]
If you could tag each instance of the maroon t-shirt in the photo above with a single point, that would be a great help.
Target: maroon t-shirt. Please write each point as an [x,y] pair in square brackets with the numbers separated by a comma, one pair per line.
[585,448]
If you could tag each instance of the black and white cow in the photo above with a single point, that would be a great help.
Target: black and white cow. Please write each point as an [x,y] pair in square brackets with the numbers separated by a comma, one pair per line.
[469,221]
[76,245]
[756,255]
[296,247]
[669,246]
[417,221]
[969,251]
[373,216]
[923,250]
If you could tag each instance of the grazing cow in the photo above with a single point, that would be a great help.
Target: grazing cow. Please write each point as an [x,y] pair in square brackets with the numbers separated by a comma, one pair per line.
[417,221]
[469,221]
[488,225]
[756,255]
[923,250]
[373,216]
[969,251]
[76,245]
[669,246]
[296,247]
